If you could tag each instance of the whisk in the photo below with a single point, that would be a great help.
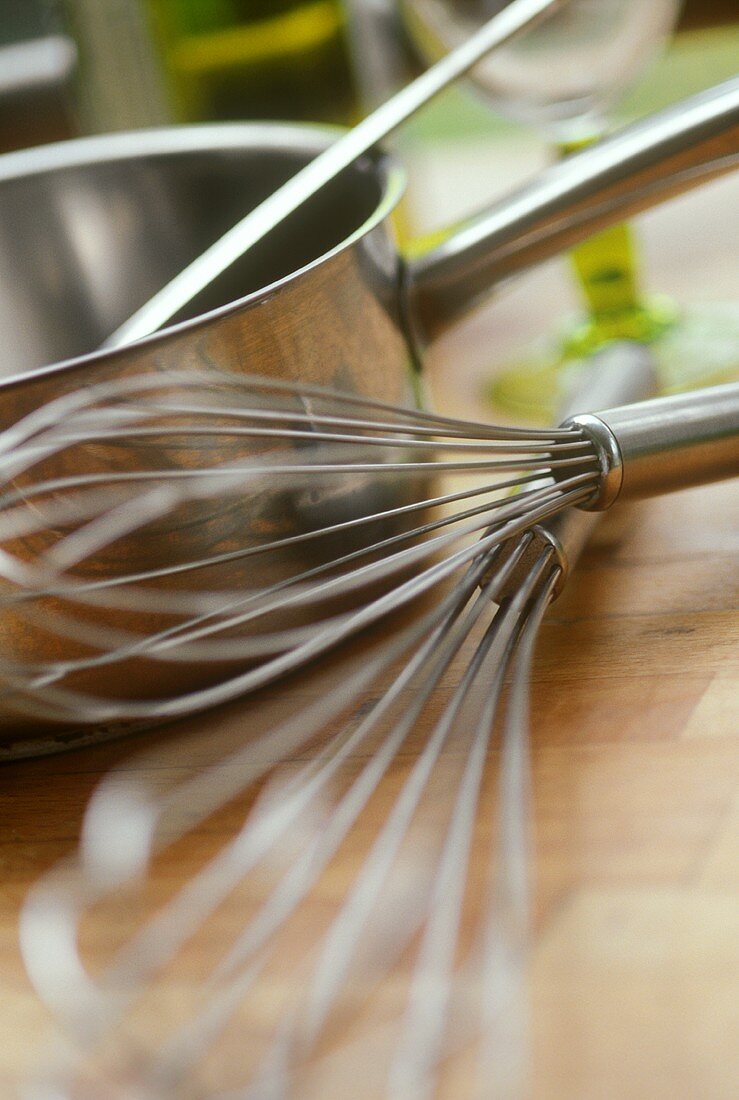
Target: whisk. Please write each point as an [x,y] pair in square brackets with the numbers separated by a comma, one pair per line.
[171,541]
[304,825]
[129,821]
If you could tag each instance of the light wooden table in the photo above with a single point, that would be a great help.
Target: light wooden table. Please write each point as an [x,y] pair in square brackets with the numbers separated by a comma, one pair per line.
[634,719]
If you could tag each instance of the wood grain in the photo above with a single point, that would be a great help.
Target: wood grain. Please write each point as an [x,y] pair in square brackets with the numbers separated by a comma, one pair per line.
[635,811]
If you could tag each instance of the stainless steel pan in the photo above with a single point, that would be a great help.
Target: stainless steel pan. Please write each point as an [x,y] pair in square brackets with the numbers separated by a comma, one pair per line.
[90,229]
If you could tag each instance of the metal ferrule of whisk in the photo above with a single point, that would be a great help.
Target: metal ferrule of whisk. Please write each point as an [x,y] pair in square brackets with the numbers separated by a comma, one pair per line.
[662,445]
[621,375]
[644,447]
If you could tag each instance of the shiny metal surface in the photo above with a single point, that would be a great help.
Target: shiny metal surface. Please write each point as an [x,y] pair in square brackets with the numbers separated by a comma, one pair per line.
[285,200]
[170,541]
[89,229]
[130,825]
[666,444]
[650,161]
[623,373]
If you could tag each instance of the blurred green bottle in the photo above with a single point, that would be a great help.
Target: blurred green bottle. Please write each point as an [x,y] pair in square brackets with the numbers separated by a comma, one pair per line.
[243,59]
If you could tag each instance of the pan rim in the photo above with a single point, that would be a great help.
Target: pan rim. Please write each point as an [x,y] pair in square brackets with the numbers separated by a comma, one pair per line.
[203,137]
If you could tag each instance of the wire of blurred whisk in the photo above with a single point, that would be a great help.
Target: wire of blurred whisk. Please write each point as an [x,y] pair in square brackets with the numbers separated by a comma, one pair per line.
[84,515]
[127,823]
[238,970]
[187,526]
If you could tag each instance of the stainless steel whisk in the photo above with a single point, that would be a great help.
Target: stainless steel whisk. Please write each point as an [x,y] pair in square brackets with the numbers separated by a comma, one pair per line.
[170,542]
[177,524]
[131,823]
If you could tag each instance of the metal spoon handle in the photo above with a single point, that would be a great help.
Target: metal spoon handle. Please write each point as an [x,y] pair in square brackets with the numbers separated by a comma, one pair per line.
[199,274]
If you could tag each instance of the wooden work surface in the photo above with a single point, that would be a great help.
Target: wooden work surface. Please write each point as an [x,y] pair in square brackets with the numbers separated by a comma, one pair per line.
[635,727]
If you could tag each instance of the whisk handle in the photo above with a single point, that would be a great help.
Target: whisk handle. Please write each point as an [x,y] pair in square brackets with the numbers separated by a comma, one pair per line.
[666,444]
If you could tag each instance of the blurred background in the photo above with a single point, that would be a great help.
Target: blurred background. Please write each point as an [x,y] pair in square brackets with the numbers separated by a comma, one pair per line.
[69,67]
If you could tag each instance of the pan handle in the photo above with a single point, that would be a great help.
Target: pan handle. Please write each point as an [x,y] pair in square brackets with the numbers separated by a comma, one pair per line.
[635,168]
